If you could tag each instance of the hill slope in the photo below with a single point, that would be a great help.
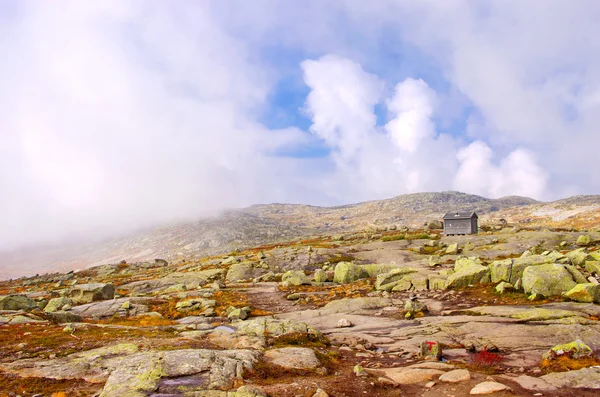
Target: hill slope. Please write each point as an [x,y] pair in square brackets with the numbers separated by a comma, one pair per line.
[260,224]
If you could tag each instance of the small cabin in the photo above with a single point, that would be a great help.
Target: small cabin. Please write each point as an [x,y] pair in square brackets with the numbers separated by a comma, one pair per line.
[462,223]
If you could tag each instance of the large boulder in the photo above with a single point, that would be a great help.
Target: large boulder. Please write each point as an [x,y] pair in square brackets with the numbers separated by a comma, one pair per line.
[585,292]
[87,293]
[583,240]
[547,280]
[348,272]
[243,271]
[468,271]
[57,304]
[501,270]
[293,357]
[387,281]
[295,277]
[520,264]
[17,302]
[579,256]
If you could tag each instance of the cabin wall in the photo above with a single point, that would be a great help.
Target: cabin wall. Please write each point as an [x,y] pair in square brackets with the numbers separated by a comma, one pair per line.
[458,226]
[474,226]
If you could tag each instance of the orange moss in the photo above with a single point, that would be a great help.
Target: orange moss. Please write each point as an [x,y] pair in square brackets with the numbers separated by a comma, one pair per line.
[564,364]
[11,384]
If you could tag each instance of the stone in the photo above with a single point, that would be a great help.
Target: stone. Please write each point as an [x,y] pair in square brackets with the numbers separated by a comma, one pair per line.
[344,323]
[435,260]
[576,349]
[293,358]
[419,281]
[242,272]
[592,266]
[356,305]
[504,286]
[585,378]
[387,281]
[195,304]
[576,274]
[547,280]
[348,272]
[468,272]
[295,278]
[402,285]
[359,371]
[489,387]
[87,293]
[452,249]
[249,391]
[320,393]
[238,314]
[62,316]
[57,304]
[534,384]
[501,270]
[415,306]
[583,240]
[273,327]
[586,293]
[437,281]
[431,349]
[408,376]
[579,256]
[455,376]
[320,276]
[17,302]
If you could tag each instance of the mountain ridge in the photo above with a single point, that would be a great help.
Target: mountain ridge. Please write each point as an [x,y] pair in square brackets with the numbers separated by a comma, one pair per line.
[271,223]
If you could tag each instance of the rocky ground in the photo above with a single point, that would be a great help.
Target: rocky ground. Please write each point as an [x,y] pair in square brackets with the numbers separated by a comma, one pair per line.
[393,312]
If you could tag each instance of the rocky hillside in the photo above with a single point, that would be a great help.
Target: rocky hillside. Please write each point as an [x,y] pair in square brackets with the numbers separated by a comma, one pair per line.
[512,311]
[262,224]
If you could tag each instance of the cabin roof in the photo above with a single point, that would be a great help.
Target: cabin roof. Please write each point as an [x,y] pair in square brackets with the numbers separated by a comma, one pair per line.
[460,215]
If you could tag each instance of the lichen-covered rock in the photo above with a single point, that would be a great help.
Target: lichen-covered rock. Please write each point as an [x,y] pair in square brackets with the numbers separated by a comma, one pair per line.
[437,281]
[592,266]
[583,240]
[576,274]
[295,277]
[452,249]
[504,286]
[269,326]
[62,317]
[547,280]
[356,305]
[576,349]
[584,292]
[348,272]
[435,260]
[195,304]
[469,273]
[17,302]
[579,256]
[243,271]
[87,293]
[431,349]
[418,281]
[501,270]
[57,304]
[520,264]
[387,281]
[293,358]
[320,276]
[585,378]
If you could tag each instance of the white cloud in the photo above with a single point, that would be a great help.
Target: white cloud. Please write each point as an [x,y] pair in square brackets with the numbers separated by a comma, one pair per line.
[123,114]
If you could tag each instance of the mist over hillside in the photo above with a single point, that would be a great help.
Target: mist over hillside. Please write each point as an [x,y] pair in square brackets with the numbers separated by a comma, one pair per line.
[270,223]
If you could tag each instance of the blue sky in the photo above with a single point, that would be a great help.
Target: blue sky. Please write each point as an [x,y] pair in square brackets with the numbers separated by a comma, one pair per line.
[125,114]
